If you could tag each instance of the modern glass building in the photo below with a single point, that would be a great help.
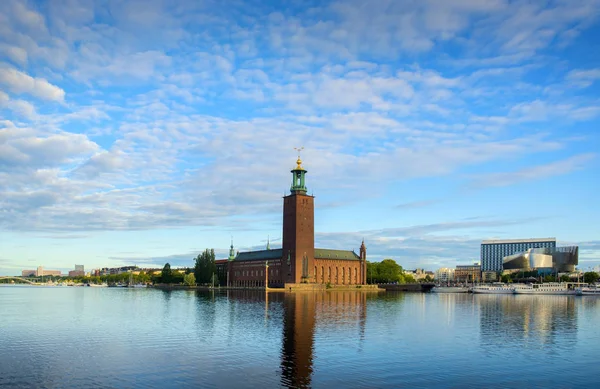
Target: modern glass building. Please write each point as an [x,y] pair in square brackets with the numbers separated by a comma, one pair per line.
[544,260]
[493,251]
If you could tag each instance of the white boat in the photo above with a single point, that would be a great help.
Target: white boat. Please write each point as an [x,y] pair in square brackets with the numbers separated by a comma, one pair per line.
[588,291]
[548,288]
[450,289]
[494,289]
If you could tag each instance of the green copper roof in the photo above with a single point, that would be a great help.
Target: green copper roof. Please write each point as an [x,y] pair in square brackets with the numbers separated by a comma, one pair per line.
[335,254]
[260,255]
[263,255]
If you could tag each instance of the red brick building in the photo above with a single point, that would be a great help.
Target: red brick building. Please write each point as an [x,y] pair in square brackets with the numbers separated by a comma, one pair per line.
[298,261]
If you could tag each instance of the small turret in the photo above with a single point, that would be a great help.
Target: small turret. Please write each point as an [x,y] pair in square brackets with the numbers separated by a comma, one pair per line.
[363,251]
[231,251]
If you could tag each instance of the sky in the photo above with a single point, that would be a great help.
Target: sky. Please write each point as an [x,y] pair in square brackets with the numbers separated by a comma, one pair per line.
[143,132]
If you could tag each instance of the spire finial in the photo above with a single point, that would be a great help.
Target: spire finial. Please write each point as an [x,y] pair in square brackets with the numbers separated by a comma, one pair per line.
[268,242]
[299,161]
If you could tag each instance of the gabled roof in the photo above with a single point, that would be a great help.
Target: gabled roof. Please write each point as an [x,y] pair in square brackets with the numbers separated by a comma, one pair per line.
[336,254]
[259,255]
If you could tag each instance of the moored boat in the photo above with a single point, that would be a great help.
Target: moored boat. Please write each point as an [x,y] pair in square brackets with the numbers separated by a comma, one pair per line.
[548,288]
[450,289]
[493,289]
[588,291]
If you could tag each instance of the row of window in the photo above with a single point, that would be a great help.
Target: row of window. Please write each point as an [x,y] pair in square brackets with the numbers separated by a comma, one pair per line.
[256,273]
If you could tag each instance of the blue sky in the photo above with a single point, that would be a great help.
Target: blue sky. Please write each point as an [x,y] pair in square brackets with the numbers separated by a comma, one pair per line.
[141,132]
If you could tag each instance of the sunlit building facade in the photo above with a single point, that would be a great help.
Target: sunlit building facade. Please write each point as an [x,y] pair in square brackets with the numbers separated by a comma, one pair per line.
[494,251]
[444,274]
[545,260]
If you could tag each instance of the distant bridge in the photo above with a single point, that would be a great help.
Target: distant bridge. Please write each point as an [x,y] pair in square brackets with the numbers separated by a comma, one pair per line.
[26,280]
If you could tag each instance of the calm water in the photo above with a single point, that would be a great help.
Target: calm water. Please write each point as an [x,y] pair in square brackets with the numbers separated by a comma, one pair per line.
[67,337]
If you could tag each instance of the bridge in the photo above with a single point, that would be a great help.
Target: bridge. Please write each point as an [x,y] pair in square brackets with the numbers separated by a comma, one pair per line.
[26,280]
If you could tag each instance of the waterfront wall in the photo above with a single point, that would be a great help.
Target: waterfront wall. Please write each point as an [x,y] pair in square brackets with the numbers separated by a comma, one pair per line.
[424,287]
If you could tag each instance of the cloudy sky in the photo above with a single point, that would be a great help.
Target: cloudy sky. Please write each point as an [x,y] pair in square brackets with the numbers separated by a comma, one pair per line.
[141,132]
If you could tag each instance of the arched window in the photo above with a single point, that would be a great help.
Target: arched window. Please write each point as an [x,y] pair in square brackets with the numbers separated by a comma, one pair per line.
[349,275]
[316,277]
[343,276]
[329,274]
[336,275]
[322,274]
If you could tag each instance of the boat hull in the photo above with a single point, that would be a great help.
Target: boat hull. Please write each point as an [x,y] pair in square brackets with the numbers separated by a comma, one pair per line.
[491,291]
[449,289]
[545,292]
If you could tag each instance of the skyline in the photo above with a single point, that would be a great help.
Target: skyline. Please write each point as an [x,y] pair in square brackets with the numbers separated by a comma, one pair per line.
[143,132]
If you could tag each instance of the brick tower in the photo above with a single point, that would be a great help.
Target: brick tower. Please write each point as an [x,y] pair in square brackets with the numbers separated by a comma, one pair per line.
[298,230]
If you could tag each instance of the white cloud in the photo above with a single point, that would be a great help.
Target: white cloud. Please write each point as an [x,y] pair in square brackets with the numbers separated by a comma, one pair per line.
[14,53]
[531,174]
[583,78]
[19,83]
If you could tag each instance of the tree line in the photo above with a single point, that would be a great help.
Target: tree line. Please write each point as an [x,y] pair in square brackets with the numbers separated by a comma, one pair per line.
[387,271]
[203,272]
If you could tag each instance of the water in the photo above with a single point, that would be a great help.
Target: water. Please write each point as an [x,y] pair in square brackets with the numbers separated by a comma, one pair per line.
[69,337]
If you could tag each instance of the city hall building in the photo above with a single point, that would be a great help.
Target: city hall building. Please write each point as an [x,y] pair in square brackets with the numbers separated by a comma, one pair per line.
[297,261]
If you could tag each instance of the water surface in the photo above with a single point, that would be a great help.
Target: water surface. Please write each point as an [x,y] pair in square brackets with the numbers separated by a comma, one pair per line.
[73,337]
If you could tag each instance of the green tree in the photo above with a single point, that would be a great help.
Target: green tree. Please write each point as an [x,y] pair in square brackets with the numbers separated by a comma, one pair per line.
[166,275]
[590,277]
[389,271]
[565,278]
[408,278]
[372,275]
[189,279]
[506,278]
[205,266]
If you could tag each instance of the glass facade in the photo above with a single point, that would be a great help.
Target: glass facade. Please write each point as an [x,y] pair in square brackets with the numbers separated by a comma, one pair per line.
[493,251]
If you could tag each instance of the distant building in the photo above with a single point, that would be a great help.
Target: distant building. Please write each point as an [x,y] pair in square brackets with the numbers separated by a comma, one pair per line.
[489,276]
[545,260]
[105,271]
[493,251]
[39,272]
[444,274]
[78,272]
[467,273]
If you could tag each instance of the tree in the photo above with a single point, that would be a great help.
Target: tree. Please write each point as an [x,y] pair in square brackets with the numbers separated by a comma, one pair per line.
[408,278]
[389,271]
[189,279]
[372,275]
[167,274]
[565,278]
[506,278]
[205,266]
[590,277]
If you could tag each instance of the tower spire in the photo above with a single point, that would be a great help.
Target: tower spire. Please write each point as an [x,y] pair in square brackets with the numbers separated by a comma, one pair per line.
[268,241]
[298,181]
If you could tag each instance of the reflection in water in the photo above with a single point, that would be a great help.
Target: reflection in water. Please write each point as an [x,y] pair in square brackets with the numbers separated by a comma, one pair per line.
[303,314]
[525,321]
[145,338]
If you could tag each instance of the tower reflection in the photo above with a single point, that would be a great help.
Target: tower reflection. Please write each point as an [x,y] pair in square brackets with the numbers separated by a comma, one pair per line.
[305,314]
